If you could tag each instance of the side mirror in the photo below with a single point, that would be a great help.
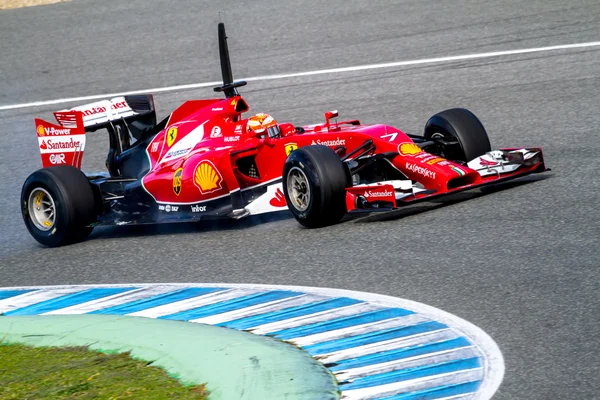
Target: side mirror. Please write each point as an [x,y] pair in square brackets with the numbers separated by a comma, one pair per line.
[328,116]
[331,114]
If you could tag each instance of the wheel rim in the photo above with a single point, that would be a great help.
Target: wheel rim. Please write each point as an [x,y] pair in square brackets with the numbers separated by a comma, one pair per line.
[437,135]
[42,210]
[298,189]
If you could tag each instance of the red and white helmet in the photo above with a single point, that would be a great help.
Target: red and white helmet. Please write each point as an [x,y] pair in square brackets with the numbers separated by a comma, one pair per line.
[262,123]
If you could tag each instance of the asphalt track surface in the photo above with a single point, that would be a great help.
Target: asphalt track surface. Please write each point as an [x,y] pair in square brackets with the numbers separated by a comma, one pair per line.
[521,262]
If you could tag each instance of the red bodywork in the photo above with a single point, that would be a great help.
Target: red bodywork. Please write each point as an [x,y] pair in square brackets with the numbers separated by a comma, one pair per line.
[210,137]
[195,159]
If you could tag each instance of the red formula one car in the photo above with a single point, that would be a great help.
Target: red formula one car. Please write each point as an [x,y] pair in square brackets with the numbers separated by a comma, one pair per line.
[206,161]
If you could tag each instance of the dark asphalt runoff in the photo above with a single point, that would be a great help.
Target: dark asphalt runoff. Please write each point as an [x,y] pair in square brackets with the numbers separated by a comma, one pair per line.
[521,261]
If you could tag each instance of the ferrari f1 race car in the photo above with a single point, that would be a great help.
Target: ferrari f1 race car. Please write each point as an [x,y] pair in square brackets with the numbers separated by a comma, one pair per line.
[205,160]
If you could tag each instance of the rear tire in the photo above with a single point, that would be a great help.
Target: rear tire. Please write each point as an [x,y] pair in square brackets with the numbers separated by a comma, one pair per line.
[463,125]
[58,205]
[314,185]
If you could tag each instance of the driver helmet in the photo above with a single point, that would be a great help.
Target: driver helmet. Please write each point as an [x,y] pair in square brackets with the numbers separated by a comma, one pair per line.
[262,123]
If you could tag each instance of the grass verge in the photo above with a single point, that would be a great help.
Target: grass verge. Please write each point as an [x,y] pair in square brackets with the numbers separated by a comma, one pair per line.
[8,4]
[79,373]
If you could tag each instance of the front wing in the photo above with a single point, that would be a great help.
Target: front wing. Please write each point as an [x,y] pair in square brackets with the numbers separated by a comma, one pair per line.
[494,167]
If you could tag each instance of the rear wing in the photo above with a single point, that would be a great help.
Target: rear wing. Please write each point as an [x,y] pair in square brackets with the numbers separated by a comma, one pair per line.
[126,118]
[99,114]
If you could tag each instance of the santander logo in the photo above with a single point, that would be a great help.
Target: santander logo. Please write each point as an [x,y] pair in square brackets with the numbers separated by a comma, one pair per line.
[373,193]
[61,144]
[102,109]
[486,163]
[278,200]
[336,142]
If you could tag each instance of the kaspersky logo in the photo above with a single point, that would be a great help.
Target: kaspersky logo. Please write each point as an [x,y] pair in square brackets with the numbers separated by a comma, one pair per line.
[420,170]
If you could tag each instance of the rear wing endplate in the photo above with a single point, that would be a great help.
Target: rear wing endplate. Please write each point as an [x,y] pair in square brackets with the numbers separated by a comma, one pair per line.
[60,145]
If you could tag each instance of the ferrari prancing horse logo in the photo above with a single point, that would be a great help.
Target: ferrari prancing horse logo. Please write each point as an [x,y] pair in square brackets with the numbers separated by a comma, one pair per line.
[171,136]
[177,181]
[290,147]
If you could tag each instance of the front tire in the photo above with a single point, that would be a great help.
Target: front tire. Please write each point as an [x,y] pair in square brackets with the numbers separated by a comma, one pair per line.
[463,125]
[314,186]
[58,205]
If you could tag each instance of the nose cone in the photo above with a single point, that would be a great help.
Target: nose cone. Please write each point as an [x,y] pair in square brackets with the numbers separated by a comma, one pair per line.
[433,171]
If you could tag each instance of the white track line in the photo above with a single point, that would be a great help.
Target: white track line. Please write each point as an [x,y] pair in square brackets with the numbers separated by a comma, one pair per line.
[315,72]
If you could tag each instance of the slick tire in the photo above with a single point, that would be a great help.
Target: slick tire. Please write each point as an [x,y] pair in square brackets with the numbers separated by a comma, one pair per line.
[314,185]
[464,125]
[58,205]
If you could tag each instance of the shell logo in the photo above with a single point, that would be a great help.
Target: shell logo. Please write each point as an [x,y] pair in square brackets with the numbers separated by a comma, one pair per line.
[40,130]
[207,178]
[409,148]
